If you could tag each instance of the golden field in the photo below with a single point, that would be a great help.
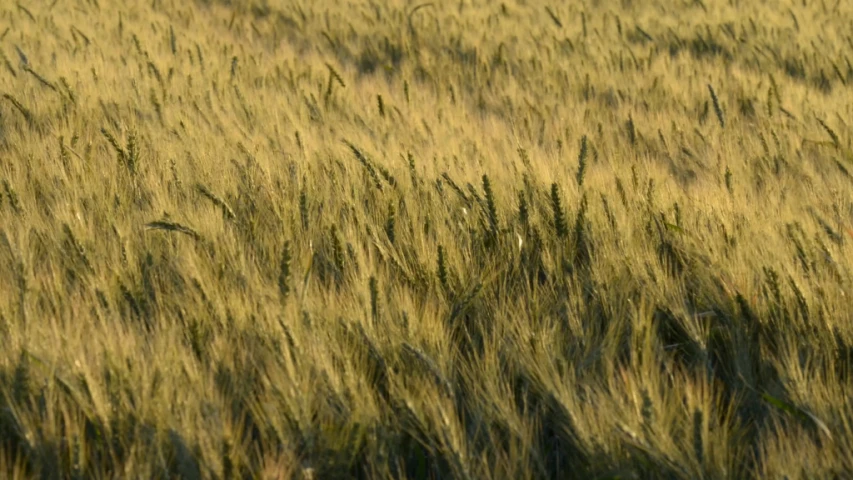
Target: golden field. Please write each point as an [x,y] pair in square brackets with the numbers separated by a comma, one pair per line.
[468,239]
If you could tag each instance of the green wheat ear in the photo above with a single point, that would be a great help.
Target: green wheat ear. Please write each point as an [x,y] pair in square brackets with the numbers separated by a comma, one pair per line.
[373,286]
[303,208]
[582,160]
[442,267]
[523,211]
[560,225]
[284,271]
[491,209]
[390,223]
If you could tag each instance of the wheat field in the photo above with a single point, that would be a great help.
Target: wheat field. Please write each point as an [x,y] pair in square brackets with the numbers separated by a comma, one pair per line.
[446,239]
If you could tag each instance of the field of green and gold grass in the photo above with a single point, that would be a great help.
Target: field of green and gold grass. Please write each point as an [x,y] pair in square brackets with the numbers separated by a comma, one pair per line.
[462,239]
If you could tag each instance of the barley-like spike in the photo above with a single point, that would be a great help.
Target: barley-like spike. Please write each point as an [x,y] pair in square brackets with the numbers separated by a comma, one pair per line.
[772,285]
[412,170]
[608,212]
[553,16]
[12,196]
[525,158]
[337,250]
[76,248]
[832,134]
[442,267]
[390,223]
[27,12]
[728,178]
[560,225]
[334,74]
[431,366]
[21,108]
[68,91]
[632,131]
[303,208]
[226,209]
[582,243]
[122,155]
[802,304]
[492,211]
[284,271]
[523,211]
[367,165]
[582,160]
[21,379]
[41,79]
[677,214]
[774,88]
[173,40]
[456,188]
[647,411]
[770,102]
[650,192]
[718,110]
[64,155]
[7,63]
[663,141]
[374,298]
[132,152]
[173,227]
[620,189]
[698,442]
[475,195]
[158,107]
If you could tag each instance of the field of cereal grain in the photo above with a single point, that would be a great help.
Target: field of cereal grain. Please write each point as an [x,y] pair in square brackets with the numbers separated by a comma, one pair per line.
[462,239]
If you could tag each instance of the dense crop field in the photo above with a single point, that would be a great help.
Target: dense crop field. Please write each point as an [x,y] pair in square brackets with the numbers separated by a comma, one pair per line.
[456,239]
